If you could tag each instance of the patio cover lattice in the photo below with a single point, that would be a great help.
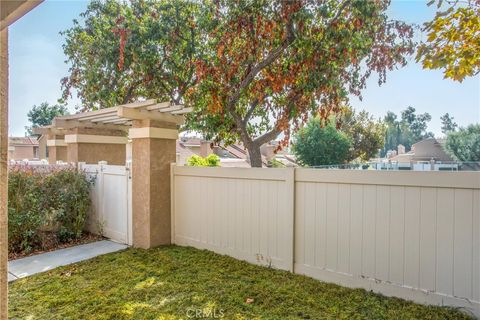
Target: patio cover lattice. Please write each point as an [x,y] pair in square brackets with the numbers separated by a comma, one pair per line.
[120,116]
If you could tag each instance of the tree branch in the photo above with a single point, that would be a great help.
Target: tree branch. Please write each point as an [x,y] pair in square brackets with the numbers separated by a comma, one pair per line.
[272,134]
[339,12]
[250,111]
[269,59]
[268,136]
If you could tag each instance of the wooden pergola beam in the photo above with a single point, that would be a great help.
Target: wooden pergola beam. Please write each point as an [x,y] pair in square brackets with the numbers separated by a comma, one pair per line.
[61,124]
[139,104]
[134,114]
[183,111]
[172,108]
[158,106]
[122,114]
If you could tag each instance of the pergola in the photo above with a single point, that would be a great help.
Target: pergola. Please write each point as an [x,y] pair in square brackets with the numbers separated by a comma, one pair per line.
[109,126]
[125,114]
[103,135]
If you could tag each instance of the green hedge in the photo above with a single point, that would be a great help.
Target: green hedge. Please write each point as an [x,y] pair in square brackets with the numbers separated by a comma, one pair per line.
[46,204]
[212,160]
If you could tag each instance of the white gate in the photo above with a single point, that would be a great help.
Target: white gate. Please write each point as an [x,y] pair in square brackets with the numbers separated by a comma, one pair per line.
[111,214]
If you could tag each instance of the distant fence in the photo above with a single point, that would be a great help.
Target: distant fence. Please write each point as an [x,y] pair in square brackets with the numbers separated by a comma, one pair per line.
[414,235]
[413,166]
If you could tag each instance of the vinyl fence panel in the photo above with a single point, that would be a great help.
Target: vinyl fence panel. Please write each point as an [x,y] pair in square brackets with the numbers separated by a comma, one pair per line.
[245,213]
[414,235]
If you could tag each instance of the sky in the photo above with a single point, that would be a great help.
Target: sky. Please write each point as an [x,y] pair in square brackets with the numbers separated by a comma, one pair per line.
[37,64]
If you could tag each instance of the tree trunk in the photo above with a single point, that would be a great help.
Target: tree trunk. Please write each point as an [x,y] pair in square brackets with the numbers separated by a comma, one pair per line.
[255,155]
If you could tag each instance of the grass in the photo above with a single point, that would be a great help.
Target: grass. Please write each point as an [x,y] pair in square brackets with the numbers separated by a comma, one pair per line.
[185,283]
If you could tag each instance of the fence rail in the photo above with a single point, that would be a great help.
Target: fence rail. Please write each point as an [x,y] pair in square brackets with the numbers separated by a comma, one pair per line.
[414,235]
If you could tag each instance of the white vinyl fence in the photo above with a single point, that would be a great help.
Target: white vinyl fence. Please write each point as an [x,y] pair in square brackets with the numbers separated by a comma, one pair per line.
[247,214]
[414,235]
[111,213]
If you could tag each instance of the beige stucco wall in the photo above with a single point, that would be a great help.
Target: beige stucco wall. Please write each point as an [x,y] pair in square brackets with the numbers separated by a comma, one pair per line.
[57,154]
[42,147]
[114,154]
[91,153]
[3,171]
[151,191]
[22,152]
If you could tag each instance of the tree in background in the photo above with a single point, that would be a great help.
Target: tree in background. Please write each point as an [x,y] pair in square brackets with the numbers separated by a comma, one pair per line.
[270,65]
[410,129]
[367,134]
[464,144]
[320,143]
[453,40]
[448,123]
[43,115]
[121,52]
[417,124]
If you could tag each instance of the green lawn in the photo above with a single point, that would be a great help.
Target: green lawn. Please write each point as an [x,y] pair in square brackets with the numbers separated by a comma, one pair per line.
[184,283]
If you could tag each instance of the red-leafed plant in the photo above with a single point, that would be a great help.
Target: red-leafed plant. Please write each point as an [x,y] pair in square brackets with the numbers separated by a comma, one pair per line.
[270,65]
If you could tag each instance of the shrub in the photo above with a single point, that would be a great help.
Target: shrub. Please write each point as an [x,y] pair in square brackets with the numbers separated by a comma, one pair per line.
[46,204]
[321,144]
[274,163]
[212,160]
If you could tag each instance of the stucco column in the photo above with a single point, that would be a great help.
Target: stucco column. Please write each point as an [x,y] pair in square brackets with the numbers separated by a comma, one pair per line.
[153,150]
[3,171]
[91,145]
[57,148]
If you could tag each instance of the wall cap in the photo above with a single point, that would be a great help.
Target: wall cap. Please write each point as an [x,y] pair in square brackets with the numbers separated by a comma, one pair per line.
[56,143]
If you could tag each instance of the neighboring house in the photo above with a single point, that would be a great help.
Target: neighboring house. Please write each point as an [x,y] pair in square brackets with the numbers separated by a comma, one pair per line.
[235,155]
[426,155]
[425,150]
[183,153]
[230,156]
[21,148]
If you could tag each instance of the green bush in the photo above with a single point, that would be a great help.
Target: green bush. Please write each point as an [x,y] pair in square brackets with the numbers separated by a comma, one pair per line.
[46,205]
[319,144]
[274,163]
[212,160]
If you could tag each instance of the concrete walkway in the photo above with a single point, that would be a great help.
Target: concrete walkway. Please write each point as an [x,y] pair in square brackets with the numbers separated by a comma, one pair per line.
[25,267]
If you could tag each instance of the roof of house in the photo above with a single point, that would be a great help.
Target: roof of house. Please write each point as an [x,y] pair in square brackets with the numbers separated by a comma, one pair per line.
[183,152]
[190,141]
[22,141]
[425,150]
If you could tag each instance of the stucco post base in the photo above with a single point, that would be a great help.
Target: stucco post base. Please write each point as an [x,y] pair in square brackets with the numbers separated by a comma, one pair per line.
[57,149]
[93,145]
[153,150]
